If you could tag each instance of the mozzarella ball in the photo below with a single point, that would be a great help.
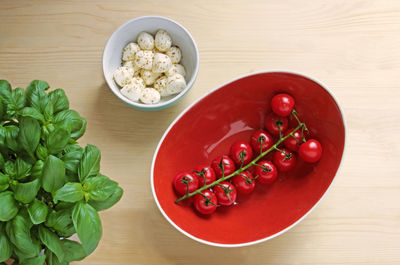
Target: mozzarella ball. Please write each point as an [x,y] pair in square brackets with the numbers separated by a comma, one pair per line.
[148,76]
[132,91]
[150,96]
[175,84]
[144,59]
[161,63]
[175,54]
[176,69]
[161,86]
[162,40]
[131,64]
[145,41]
[138,82]
[123,75]
[129,51]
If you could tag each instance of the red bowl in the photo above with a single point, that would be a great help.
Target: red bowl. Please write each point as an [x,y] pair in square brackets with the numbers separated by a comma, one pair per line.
[232,112]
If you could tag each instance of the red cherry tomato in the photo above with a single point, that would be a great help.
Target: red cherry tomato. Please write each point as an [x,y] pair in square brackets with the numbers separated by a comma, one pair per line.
[310,151]
[282,104]
[204,172]
[259,137]
[241,153]
[186,182]
[225,192]
[244,182]
[266,172]
[272,123]
[224,162]
[284,160]
[206,202]
[291,143]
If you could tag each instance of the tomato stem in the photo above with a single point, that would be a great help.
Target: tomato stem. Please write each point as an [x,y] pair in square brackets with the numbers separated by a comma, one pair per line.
[252,163]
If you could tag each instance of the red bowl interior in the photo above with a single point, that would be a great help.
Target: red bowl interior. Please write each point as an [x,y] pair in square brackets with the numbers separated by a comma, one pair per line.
[233,112]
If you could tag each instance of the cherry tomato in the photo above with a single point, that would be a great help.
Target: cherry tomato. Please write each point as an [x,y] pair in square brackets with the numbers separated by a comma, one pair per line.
[206,202]
[266,172]
[282,104]
[186,182]
[244,182]
[291,143]
[225,192]
[310,151]
[259,137]
[224,162]
[284,160]
[204,172]
[241,153]
[272,123]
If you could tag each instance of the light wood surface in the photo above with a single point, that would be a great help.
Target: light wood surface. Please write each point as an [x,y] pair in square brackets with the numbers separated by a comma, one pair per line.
[351,46]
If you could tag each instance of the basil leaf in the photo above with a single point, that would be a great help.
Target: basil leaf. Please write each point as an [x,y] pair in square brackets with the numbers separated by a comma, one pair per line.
[36,95]
[2,162]
[10,168]
[11,133]
[52,241]
[9,207]
[53,176]
[90,163]
[41,152]
[109,202]
[73,250]
[37,169]
[70,119]
[35,261]
[88,226]
[5,245]
[22,168]
[18,232]
[5,92]
[17,102]
[59,100]
[70,192]
[26,192]
[51,259]
[48,111]
[4,181]
[61,221]
[99,187]
[72,160]
[37,84]
[57,140]
[38,211]
[32,113]
[29,134]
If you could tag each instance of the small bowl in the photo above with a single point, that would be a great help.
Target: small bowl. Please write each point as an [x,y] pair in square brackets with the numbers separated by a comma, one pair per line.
[232,112]
[128,32]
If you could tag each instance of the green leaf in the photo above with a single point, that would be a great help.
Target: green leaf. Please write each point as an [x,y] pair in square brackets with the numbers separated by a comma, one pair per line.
[48,111]
[4,182]
[57,140]
[29,134]
[52,241]
[32,113]
[22,168]
[11,133]
[5,245]
[10,168]
[37,97]
[5,92]
[73,121]
[59,100]
[73,250]
[72,159]
[70,192]
[59,220]
[37,84]
[53,176]
[37,169]
[9,207]
[88,226]
[41,152]
[38,211]
[2,162]
[17,102]
[26,192]
[51,259]
[35,261]
[99,187]
[109,202]
[90,163]
[18,232]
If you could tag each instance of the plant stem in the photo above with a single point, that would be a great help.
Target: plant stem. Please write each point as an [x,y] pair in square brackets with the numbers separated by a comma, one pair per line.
[252,163]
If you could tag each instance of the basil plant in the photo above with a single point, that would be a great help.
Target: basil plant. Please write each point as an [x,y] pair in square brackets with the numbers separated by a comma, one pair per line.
[50,187]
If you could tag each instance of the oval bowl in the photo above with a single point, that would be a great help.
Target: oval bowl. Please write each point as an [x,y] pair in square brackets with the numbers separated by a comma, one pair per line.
[233,112]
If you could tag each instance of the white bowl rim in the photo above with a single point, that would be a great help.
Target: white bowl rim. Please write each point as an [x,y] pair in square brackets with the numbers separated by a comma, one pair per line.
[195,102]
[173,99]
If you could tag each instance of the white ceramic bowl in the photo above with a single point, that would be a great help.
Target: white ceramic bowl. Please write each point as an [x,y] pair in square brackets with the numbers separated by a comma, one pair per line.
[128,32]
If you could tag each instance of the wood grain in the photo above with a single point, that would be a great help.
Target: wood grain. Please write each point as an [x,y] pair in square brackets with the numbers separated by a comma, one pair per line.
[352,46]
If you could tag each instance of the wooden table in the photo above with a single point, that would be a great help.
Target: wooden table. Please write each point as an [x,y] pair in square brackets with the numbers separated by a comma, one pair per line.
[352,46]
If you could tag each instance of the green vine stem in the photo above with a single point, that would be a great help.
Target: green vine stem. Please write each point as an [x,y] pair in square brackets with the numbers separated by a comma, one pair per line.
[252,163]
